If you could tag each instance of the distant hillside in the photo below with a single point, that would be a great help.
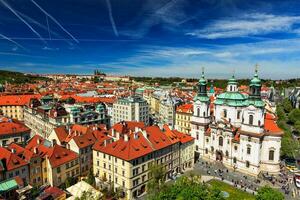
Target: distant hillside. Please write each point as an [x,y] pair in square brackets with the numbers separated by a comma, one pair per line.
[18,77]
[221,83]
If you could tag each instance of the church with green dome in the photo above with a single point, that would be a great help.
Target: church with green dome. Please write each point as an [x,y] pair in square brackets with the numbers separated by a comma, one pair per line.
[233,128]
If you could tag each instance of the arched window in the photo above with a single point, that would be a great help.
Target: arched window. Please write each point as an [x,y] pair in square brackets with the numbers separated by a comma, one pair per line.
[206,151]
[249,149]
[225,113]
[212,149]
[271,154]
[198,112]
[226,154]
[231,88]
[251,119]
[234,160]
[203,114]
[220,141]
[247,164]
[258,122]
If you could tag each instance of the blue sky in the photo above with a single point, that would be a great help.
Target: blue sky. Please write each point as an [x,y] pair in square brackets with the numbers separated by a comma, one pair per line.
[152,37]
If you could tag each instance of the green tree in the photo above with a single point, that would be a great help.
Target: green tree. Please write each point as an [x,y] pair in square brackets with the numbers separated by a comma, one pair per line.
[280,113]
[294,116]
[287,106]
[188,187]
[34,192]
[157,180]
[268,193]
[297,127]
[88,195]
[90,178]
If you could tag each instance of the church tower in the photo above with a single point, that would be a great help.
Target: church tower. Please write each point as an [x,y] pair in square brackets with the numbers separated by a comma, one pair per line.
[253,115]
[201,115]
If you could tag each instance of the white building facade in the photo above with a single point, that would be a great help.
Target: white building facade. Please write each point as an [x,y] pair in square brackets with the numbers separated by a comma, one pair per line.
[132,108]
[240,133]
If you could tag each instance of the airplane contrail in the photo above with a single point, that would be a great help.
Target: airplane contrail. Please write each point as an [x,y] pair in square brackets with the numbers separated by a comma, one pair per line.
[20,18]
[80,39]
[12,41]
[111,18]
[44,27]
[53,19]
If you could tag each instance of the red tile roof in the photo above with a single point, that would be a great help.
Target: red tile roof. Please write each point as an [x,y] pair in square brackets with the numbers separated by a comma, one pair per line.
[10,127]
[16,100]
[56,154]
[271,127]
[12,160]
[59,155]
[158,139]
[61,133]
[127,126]
[126,150]
[52,192]
[185,108]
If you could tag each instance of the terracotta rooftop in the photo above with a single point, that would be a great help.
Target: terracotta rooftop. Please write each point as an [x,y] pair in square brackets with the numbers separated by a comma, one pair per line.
[12,126]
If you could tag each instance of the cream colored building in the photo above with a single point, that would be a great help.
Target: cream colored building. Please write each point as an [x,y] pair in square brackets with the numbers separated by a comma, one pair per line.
[126,162]
[12,106]
[183,118]
[58,163]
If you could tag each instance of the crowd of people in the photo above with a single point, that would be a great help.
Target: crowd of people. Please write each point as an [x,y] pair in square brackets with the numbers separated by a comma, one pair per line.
[248,183]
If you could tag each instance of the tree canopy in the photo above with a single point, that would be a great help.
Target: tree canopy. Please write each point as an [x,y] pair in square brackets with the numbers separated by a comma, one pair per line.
[188,187]
[268,193]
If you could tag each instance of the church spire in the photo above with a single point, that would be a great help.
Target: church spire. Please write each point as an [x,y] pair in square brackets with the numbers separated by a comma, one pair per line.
[255,85]
[202,85]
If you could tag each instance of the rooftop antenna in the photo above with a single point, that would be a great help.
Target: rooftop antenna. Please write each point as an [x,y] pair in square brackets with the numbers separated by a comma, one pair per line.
[233,73]
[256,68]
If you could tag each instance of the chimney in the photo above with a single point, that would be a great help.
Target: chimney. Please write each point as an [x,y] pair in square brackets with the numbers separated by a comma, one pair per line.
[105,143]
[13,150]
[136,129]
[136,135]
[118,135]
[144,134]
[35,150]
[113,132]
[70,130]
[38,141]
[126,138]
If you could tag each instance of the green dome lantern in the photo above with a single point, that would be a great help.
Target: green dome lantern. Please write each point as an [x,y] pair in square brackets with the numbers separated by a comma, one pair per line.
[232,80]
[202,90]
[255,81]
[255,86]
[202,80]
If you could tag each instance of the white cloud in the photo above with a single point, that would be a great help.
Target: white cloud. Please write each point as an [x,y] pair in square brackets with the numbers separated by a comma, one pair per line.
[247,25]
[50,48]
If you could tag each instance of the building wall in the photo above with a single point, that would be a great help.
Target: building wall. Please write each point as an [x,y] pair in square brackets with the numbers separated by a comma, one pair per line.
[13,111]
[14,137]
[183,122]
[35,169]
[22,172]
[130,111]
[58,175]
[132,176]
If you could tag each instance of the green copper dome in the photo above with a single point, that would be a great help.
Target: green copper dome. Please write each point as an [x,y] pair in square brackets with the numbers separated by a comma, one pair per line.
[232,80]
[202,80]
[255,81]
[231,99]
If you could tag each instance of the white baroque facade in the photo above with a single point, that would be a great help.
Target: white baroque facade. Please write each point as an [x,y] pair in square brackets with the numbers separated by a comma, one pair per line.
[240,133]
